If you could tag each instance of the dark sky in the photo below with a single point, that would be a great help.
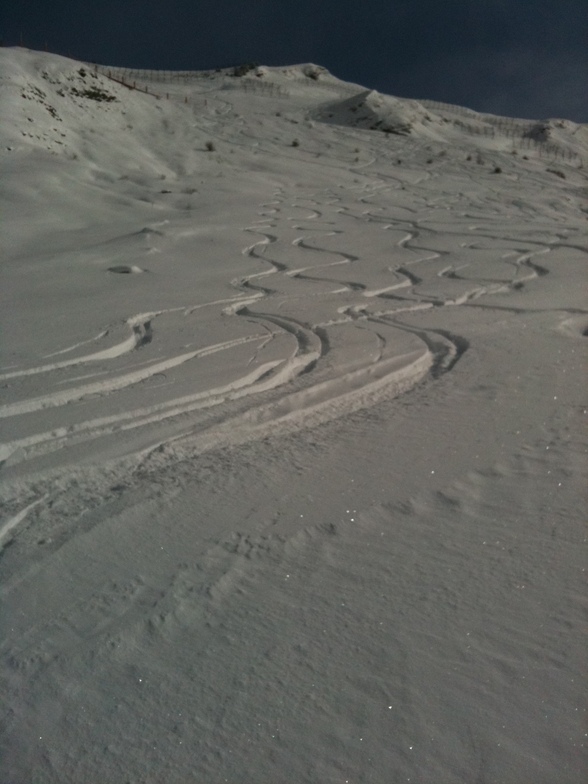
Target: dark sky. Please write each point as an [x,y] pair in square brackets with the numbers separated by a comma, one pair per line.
[525,58]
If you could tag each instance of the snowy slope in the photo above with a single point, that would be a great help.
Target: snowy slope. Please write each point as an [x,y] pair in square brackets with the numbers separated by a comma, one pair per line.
[216,279]
[112,180]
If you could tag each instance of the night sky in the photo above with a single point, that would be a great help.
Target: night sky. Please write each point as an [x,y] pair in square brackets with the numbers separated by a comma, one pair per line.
[525,58]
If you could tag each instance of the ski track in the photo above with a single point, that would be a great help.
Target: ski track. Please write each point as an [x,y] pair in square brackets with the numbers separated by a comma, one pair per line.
[311,347]
[427,259]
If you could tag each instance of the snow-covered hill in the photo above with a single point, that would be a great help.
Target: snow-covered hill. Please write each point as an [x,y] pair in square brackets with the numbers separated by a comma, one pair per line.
[292,372]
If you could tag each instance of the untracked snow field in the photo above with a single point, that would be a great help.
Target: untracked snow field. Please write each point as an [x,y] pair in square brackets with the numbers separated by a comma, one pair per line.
[293,433]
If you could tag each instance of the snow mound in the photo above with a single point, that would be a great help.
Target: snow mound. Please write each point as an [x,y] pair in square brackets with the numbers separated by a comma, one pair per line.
[371,110]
